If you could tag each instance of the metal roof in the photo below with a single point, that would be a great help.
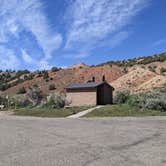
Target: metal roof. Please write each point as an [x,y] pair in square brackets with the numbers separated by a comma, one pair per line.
[86,85]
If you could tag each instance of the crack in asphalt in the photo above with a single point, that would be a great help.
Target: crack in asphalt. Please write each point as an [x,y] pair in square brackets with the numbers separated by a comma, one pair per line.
[91,161]
[127,146]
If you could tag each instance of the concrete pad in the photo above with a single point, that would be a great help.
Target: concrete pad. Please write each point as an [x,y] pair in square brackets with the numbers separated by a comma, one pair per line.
[82,113]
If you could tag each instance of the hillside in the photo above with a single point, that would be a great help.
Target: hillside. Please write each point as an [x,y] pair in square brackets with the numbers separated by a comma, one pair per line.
[136,75]
[134,78]
[65,77]
[138,61]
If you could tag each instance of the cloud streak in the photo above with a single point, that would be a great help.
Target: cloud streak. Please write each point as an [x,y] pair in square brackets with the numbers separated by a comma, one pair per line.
[19,14]
[27,15]
[90,24]
[159,42]
[8,59]
[93,21]
[37,64]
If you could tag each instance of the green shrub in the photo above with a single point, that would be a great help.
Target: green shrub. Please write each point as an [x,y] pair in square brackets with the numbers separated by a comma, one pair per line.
[35,95]
[4,86]
[162,70]
[21,72]
[140,60]
[52,87]
[125,70]
[19,101]
[55,101]
[22,90]
[152,69]
[45,75]
[122,97]
[155,104]
[133,100]
[55,69]
[155,100]
[3,101]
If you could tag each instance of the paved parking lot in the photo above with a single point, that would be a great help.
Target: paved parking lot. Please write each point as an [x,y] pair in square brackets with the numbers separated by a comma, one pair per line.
[27,141]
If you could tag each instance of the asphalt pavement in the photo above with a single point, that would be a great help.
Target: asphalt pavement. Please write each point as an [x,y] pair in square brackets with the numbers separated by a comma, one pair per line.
[28,141]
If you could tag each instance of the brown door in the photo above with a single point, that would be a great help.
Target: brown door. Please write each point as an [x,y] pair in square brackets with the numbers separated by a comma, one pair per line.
[100,96]
[104,95]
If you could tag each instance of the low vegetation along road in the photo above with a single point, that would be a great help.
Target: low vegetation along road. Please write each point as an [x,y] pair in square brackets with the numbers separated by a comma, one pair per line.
[29,141]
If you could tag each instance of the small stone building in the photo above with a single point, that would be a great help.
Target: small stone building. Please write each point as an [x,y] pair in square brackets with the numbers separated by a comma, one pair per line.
[91,93]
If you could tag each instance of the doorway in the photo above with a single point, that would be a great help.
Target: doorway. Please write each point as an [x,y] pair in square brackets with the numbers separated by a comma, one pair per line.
[100,96]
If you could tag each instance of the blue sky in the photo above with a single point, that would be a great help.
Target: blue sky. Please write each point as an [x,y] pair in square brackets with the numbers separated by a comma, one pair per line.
[39,34]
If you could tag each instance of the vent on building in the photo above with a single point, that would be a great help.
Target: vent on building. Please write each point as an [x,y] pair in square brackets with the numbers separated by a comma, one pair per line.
[93,79]
[103,79]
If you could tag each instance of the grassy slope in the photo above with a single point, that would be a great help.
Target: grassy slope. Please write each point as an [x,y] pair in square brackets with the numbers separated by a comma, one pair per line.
[45,112]
[123,111]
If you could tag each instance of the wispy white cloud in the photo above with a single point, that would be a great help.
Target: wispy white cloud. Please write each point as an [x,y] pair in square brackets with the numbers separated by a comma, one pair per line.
[19,14]
[118,38]
[29,15]
[115,40]
[43,64]
[37,64]
[27,58]
[76,55]
[94,20]
[112,42]
[91,24]
[8,59]
[159,42]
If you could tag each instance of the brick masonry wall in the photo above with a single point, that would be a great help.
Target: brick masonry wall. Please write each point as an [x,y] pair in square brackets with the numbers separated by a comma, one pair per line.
[82,98]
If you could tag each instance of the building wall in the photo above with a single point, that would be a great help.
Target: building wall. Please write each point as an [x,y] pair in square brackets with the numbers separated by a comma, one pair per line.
[82,97]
